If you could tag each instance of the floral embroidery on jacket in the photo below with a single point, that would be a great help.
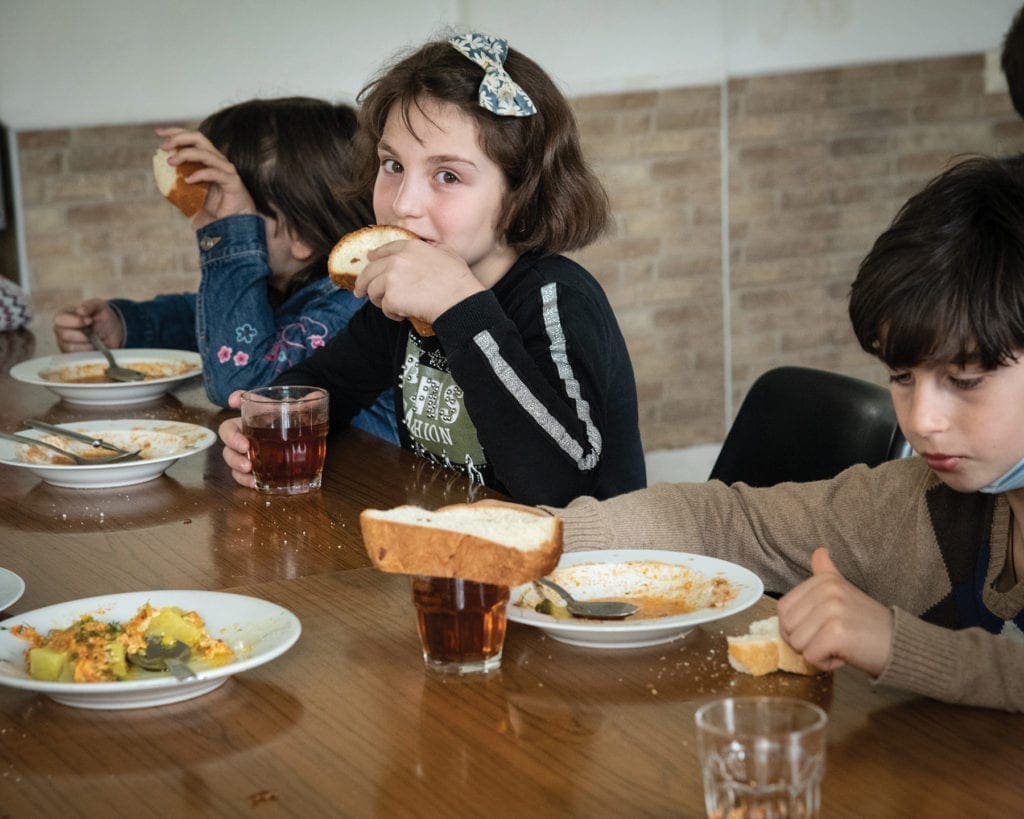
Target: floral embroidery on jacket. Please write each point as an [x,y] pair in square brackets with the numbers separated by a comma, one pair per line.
[246,333]
[224,354]
[291,343]
[241,358]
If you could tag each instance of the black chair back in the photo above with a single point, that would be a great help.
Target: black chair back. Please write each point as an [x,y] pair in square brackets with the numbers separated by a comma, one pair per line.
[802,424]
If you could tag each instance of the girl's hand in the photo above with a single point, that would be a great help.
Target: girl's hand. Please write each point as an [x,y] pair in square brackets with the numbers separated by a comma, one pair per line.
[414,279]
[832,622]
[70,324]
[227,195]
[236,445]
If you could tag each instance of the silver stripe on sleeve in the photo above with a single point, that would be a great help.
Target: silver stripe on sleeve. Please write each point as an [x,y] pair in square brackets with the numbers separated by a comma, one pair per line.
[536,409]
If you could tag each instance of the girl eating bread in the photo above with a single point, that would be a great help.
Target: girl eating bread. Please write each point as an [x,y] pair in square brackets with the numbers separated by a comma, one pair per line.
[525,383]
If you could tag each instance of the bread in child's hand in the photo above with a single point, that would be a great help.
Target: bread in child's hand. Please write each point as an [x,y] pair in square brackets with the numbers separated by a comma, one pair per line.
[763,651]
[488,544]
[348,258]
[188,197]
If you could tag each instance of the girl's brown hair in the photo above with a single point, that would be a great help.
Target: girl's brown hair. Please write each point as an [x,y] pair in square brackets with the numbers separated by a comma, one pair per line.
[555,202]
[294,156]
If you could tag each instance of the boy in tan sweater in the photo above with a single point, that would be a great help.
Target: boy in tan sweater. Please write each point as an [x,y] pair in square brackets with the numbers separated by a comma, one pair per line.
[910,571]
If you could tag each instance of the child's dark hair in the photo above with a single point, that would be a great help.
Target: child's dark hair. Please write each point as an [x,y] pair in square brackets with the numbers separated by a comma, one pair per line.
[555,202]
[1013,61]
[945,283]
[294,156]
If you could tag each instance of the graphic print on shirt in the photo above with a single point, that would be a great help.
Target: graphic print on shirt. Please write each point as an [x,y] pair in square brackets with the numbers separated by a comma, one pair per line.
[434,413]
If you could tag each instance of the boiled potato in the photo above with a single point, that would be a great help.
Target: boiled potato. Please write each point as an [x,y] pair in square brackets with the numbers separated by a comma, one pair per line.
[169,625]
[49,665]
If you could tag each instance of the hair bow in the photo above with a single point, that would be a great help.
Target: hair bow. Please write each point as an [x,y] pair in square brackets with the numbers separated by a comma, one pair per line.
[499,93]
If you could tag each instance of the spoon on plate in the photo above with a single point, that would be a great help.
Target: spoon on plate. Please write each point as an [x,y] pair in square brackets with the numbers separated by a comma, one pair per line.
[596,609]
[78,459]
[161,656]
[115,371]
[92,440]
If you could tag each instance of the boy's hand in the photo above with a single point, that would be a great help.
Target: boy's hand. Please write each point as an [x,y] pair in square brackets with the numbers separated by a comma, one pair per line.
[832,622]
[70,324]
[236,445]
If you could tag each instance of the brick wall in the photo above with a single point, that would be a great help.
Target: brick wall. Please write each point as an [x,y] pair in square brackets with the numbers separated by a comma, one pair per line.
[817,164]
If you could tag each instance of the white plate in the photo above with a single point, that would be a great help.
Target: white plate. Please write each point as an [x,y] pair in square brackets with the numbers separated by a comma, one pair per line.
[634,633]
[256,630]
[12,588]
[162,442]
[113,394]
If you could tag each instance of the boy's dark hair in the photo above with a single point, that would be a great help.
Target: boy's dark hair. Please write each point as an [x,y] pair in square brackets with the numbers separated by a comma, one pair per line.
[555,202]
[945,283]
[294,155]
[1013,61]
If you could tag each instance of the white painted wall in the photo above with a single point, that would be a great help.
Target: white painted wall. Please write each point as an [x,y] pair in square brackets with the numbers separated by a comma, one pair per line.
[92,62]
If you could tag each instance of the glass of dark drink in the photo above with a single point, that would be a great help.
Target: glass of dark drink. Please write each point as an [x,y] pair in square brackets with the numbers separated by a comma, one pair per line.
[287,432]
[461,623]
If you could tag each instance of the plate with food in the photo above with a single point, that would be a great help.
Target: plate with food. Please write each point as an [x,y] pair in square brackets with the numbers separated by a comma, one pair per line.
[80,377]
[160,444]
[674,591]
[12,588]
[89,653]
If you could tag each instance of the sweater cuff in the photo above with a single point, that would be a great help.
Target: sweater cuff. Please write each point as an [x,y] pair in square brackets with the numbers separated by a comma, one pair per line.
[919,660]
[583,525]
[461,322]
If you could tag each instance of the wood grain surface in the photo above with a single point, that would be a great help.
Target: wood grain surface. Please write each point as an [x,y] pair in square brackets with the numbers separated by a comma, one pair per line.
[349,723]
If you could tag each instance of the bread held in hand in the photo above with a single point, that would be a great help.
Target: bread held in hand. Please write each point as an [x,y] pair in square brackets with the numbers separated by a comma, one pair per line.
[348,258]
[488,544]
[763,651]
[188,197]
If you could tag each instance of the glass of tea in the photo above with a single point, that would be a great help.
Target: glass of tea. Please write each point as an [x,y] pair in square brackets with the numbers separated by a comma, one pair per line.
[287,432]
[461,623]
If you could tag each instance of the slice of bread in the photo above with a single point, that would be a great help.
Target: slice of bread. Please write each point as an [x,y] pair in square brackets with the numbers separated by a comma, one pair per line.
[763,651]
[348,258]
[170,181]
[489,544]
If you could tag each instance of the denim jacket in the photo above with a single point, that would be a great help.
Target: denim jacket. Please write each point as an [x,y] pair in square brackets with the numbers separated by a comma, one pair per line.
[244,341]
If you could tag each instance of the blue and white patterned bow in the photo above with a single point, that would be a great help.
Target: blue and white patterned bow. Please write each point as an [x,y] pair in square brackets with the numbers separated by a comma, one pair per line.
[499,93]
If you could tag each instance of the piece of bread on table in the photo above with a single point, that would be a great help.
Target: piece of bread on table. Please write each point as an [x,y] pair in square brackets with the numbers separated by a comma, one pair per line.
[763,651]
[188,197]
[348,258]
[487,544]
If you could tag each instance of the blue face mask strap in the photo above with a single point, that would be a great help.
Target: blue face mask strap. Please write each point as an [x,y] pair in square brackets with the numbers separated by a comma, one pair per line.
[1013,479]
[499,93]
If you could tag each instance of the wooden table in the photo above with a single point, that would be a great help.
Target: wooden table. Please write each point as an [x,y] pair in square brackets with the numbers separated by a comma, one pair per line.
[348,723]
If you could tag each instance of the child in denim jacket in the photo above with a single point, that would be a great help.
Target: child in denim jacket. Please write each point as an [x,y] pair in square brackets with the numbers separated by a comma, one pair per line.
[273,212]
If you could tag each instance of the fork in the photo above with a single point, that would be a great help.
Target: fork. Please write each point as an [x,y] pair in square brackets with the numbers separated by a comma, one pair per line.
[115,370]
[78,459]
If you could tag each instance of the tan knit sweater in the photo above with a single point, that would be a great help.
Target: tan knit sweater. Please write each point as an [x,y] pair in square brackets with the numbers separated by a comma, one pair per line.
[895,531]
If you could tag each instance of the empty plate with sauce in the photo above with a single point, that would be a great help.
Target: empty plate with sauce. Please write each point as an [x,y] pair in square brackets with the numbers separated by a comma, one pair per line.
[676,591]
[79,377]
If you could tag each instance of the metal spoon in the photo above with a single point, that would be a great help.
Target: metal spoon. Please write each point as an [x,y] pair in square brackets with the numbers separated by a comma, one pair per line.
[92,440]
[600,610]
[78,459]
[161,656]
[115,370]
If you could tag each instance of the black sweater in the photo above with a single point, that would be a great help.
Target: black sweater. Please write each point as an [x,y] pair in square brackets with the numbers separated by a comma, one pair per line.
[527,387]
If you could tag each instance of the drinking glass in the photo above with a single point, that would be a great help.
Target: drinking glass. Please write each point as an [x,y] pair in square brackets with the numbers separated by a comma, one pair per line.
[761,756]
[461,623]
[287,432]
